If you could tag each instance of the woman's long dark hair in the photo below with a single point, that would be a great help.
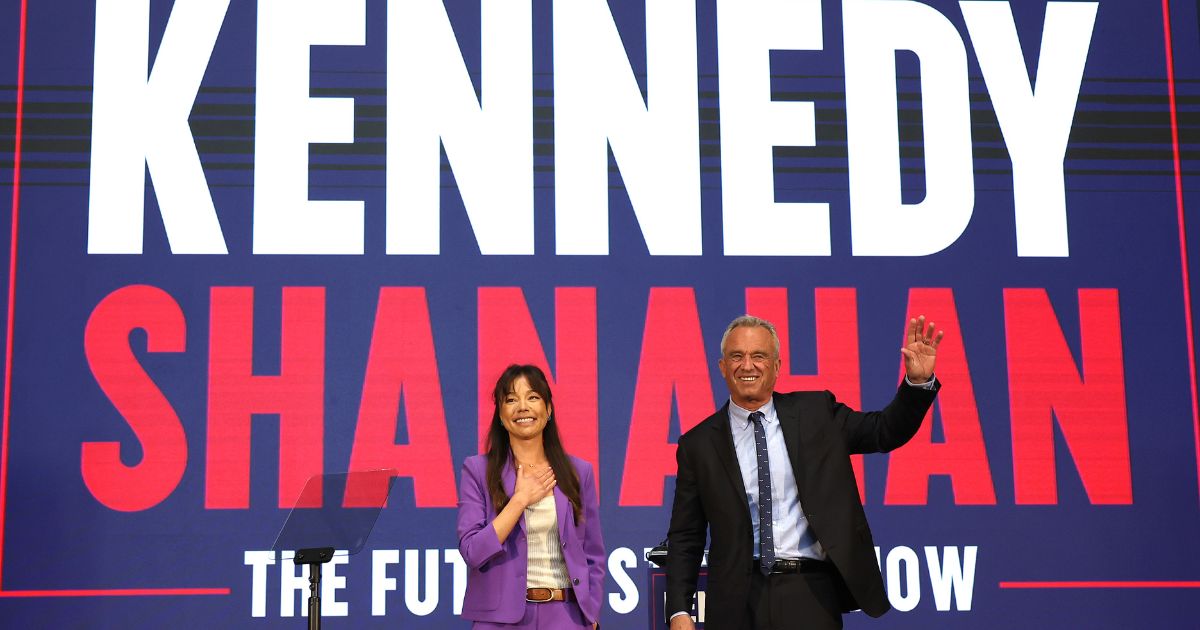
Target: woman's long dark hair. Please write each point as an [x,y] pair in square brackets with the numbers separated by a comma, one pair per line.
[499,452]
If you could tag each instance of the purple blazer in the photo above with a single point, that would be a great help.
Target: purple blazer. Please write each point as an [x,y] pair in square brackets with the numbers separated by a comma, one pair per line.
[496,572]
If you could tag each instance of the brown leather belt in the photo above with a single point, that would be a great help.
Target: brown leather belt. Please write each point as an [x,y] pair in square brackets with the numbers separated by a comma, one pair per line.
[542,595]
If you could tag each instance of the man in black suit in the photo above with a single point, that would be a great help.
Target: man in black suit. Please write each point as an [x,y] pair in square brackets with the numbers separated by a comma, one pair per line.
[768,478]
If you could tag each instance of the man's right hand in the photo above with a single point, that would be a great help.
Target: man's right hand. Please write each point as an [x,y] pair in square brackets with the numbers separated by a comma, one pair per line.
[682,622]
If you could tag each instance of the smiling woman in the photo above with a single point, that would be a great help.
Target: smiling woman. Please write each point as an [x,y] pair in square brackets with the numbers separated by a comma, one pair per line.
[524,412]
[532,544]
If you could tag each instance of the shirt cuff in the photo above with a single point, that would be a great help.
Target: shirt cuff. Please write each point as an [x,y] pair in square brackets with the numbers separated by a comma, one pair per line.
[926,385]
[682,612]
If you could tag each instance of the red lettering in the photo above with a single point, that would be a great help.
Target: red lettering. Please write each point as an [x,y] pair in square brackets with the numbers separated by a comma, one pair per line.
[507,335]
[962,454]
[235,394]
[672,363]
[836,311]
[135,396]
[402,361]
[1044,385]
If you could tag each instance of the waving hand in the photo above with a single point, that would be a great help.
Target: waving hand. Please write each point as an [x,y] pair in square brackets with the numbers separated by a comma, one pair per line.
[920,349]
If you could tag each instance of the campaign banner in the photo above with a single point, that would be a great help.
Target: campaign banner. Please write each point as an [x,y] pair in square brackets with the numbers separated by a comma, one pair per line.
[254,242]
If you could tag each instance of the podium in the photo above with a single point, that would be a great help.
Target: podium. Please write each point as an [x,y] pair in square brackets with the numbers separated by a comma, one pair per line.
[333,515]
[656,587]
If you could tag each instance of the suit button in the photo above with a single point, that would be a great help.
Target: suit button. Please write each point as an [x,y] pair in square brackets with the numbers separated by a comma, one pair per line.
[575,581]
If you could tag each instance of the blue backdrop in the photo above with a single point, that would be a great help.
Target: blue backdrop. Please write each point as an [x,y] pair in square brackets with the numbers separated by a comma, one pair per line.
[252,242]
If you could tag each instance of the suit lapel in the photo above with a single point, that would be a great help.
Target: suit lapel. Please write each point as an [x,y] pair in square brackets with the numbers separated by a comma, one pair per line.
[791,425]
[561,505]
[508,479]
[723,444]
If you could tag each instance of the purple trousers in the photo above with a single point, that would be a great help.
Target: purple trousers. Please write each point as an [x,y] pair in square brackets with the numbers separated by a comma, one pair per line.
[543,616]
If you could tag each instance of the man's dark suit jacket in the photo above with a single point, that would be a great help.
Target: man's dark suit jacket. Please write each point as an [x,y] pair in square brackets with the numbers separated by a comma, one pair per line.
[820,434]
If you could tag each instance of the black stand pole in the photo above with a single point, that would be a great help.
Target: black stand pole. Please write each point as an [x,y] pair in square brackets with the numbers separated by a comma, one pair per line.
[314,558]
[333,511]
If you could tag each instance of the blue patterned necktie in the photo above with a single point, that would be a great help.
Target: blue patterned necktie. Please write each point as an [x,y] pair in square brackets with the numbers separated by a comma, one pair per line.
[766,541]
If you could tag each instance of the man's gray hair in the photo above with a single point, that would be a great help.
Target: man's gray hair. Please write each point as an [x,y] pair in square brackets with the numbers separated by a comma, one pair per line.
[750,321]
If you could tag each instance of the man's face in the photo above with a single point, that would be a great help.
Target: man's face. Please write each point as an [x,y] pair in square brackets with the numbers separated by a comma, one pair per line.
[750,366]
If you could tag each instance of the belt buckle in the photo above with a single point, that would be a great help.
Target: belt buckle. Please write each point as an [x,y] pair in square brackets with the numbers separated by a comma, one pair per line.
[531,595]
[787,565]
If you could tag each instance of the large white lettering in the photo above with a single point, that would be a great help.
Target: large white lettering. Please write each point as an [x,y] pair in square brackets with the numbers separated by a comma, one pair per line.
[952,577]
[903,579]
[488,140]
[293,584]
[597,105]
[258,561]
[1036,122]
[880,223]
[751,124]
[950,571]
[140,123]
[381,584]
[287,120]
[653,133]
[619,561]
[416,604]
[459,568]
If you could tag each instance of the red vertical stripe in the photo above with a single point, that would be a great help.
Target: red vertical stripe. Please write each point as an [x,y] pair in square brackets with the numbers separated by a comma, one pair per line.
[12,279]
[1183,250]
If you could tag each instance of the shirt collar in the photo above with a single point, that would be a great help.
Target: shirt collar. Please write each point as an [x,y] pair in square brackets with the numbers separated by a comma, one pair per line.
[742,416]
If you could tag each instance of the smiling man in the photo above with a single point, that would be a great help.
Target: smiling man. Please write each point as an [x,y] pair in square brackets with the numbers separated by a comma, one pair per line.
[768,479]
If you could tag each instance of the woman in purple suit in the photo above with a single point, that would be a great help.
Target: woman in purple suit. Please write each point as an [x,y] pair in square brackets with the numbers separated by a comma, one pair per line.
[529,518]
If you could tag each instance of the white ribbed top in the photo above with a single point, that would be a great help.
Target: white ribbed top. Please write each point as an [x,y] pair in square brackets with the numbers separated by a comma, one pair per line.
[546,566]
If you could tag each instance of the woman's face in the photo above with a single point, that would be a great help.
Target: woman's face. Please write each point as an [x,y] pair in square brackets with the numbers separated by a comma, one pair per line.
[523,411]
